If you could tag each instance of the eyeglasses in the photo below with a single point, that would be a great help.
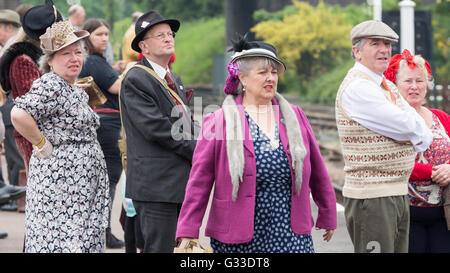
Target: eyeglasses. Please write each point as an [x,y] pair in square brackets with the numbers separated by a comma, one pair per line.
[161,36]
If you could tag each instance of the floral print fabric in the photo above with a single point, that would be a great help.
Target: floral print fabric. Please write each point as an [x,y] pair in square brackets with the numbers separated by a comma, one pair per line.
[67,201]
[426,193]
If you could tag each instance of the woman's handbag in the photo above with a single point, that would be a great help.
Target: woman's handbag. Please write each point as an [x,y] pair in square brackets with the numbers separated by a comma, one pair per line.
[191,246]
[96,96]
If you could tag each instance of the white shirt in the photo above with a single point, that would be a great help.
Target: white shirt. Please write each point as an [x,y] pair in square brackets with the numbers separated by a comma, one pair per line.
[160,71]
[365,103]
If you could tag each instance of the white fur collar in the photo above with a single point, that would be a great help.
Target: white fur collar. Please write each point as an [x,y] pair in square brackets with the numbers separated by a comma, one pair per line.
[235,141]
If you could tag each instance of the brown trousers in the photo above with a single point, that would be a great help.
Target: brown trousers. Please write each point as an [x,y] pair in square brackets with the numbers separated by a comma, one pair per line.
[378,225]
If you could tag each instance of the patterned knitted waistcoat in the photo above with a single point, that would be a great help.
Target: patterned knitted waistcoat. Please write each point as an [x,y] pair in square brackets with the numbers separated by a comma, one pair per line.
[375,165]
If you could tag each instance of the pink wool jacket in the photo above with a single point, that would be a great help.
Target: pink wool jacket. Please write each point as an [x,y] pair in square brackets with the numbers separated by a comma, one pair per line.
[233,221]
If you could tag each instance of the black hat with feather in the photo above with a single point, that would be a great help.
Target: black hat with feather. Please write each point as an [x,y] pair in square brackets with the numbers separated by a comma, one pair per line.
[243,48]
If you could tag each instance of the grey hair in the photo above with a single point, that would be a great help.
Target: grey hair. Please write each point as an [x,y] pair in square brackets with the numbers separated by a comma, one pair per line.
[44,67]
[359,45]
[248,63]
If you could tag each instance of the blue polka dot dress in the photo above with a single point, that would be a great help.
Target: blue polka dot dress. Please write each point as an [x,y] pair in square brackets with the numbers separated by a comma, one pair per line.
[273,233]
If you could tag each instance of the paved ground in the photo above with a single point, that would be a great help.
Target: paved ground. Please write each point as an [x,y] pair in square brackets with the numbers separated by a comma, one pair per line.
[13,223]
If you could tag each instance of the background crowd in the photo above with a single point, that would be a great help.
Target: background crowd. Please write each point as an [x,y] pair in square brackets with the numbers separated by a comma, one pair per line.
[258,151]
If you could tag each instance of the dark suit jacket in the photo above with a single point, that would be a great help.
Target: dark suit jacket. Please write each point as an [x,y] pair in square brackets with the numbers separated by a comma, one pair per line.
[158,164]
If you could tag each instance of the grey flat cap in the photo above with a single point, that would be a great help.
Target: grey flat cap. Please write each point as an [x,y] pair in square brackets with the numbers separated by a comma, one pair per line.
[10,16]
[372,29]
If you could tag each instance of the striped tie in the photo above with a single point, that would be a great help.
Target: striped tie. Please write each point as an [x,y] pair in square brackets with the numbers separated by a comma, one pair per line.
[171,84]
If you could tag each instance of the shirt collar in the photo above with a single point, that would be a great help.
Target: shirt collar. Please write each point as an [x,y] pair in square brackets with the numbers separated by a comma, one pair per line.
[160,71]
[369,72]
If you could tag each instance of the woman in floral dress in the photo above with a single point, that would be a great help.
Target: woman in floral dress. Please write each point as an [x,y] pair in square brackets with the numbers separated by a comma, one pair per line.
[431,174]
[67,194]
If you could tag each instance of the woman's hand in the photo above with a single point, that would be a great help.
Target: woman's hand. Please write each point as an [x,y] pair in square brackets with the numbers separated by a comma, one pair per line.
[43,150]
[441,175]
[120,66]
[327,235]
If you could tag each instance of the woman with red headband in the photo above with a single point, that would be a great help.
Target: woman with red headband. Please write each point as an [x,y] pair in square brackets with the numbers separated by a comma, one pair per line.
[428,184]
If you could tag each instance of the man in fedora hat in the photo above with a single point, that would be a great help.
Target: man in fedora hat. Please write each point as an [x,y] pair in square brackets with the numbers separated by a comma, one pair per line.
[153,105]
[380,135]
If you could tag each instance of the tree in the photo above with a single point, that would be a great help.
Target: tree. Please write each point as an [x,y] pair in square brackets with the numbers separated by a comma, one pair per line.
[184,10]
[441,41]
[310,41]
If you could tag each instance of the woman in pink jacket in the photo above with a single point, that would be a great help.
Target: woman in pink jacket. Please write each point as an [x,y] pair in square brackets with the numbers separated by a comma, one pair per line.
[260,154]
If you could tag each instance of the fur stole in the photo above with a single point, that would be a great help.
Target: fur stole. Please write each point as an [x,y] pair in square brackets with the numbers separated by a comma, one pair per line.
[235,137]
[10,54]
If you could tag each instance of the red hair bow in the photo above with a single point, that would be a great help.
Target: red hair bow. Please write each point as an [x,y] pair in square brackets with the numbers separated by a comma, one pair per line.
[394,64]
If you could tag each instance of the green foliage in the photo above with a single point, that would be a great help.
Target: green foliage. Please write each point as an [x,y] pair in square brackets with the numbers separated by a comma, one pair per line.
[184,10]
[324,87]
[441,41]
[354,14]
[195,45]
[309,41]
[263,15]
[116,36]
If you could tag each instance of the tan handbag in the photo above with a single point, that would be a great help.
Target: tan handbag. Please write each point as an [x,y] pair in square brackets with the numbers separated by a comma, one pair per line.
[191,246]
[96,96]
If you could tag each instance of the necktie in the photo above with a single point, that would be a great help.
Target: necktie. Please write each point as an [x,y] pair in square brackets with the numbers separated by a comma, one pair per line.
[387,89]
[170,82]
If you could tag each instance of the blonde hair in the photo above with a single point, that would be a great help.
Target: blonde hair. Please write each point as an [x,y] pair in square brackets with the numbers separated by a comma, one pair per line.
[420,64]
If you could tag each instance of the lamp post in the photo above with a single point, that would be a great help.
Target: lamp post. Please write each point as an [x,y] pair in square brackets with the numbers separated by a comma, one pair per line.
[377,8]
[407,25]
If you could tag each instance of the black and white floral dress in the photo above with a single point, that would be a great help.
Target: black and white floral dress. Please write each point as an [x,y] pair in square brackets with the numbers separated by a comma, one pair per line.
[67,201]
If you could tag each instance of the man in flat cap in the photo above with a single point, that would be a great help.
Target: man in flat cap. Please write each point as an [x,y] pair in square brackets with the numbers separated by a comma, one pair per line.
[9,26]
[380,135]
[159,133]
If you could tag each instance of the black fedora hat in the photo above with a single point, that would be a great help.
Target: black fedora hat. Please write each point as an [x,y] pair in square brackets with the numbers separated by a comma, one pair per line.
[37,19]
[146,21]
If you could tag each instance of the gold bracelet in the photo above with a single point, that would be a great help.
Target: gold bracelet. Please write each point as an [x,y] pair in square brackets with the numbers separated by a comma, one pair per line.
[40,141]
